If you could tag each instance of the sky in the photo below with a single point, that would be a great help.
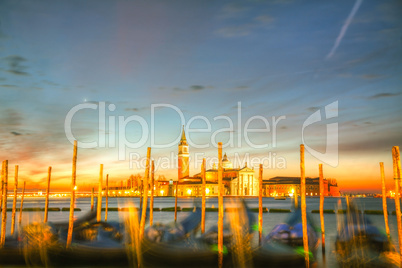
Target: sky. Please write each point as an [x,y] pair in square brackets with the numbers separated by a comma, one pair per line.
[116,74]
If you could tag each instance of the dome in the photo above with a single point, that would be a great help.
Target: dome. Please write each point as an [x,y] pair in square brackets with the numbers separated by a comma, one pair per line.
[226,163]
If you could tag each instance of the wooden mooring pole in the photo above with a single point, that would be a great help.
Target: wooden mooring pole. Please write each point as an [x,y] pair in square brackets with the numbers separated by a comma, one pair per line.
[384,199]
[203,196]
[106,195]
[151,202]
[303,205]
[49,171]
[22,203]
[397,177]
[175,200]
[145,198]
[141,193]
[72,201]
[220,205]
[4,210]
[321,174]
[14,200]
[99,205]
[241,188]
[2,188]
[92,198]
[260,220]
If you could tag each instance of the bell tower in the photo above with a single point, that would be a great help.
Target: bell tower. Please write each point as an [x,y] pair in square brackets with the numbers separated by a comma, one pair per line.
[183,157]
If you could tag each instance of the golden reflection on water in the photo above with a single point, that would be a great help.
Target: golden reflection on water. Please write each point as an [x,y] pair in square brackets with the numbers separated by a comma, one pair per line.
[241,237]
[133,237]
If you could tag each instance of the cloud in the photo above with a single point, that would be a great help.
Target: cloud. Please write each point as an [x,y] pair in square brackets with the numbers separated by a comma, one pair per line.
[11,117]
[313,109]
[242,87]
[197,87]
[137,109]
[192,88]
[9,86]
[264,19]
[250,24]
[383,95]
[233,10]
[15,65]
[50,83]
[371,76]
[97,102]
[15,87]
[15,133]
[234,31]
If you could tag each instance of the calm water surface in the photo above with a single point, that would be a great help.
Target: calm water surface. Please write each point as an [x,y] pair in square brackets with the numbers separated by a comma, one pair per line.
[270,219]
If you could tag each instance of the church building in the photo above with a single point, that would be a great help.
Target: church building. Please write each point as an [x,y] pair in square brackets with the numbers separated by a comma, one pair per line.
[237,181]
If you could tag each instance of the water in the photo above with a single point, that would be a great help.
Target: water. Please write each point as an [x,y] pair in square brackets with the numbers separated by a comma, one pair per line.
[270,219]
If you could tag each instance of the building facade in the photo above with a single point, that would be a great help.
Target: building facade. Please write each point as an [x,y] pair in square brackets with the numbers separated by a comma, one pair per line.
[237,181]
[288,186]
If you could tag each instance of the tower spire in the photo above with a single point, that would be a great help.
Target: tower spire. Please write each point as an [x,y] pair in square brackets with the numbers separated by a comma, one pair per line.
[183,157]
[183,140]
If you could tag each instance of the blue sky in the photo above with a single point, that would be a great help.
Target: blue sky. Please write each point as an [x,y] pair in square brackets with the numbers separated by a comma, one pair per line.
[202,57]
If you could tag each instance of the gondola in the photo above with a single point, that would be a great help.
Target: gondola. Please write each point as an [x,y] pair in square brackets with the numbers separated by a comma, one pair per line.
[178,246]
[359,243]
[93,244]
[29,246]
[175,245]
[283,246]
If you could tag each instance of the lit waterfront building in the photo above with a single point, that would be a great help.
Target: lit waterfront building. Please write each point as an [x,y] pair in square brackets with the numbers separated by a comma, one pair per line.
[287,186]
[237,181]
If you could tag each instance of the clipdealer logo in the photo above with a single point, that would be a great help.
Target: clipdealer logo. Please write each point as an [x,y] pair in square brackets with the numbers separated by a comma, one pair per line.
[147,133]
[111,133]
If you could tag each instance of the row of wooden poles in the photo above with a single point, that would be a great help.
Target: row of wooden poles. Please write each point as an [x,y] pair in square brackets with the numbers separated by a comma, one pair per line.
[100,188]
[397,180]
[3,200]
[144,197]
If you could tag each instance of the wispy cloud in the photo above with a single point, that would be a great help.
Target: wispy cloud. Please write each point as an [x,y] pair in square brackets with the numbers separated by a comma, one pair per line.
[15,64]
[232,14]
[50,83]
[137,109]
[235,31]
[313,109]
[383,95]
[344,28]
[233,10]
[372,76]
[242,87]
[10,117]
[264,19]
[9,86]
[197,87]
[192,88]
[97,102]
